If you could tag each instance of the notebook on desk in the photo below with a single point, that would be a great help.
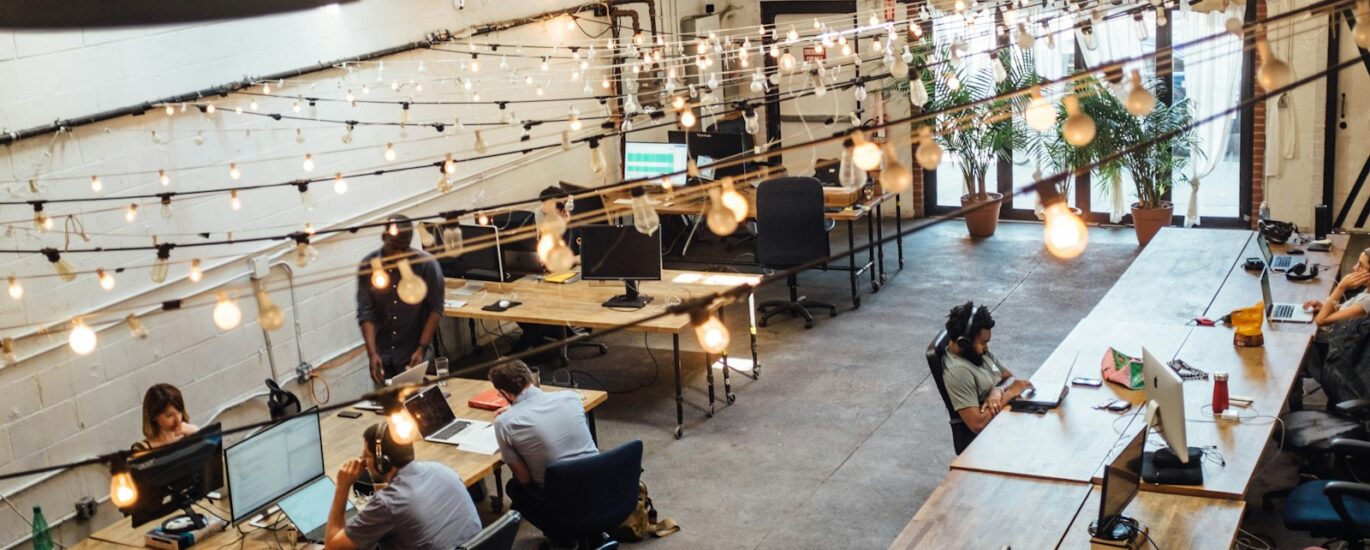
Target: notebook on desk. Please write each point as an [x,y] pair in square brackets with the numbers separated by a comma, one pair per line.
[489,400]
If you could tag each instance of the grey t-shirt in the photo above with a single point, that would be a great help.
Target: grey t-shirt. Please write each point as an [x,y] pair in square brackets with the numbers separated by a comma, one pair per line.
[967,384]
[1361,300]
[426,506]
[541,428]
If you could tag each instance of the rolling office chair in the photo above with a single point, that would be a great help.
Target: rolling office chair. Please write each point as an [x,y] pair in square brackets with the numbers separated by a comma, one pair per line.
[1309,435]
[1334,509]
[585,498]
[499,535]
[279,402]
[961,436]
[791,230]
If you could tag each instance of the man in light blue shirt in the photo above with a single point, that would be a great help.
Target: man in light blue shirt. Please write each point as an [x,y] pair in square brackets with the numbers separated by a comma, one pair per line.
[535,430]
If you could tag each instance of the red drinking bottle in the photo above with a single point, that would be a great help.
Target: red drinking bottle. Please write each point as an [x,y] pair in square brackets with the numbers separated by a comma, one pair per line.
[1219,392]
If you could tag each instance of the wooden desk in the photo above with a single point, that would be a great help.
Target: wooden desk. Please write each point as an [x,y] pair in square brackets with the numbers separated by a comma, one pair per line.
[1176,278]
[342,440]
[1173,521]
[578,304]
[1243,288]
[1070,442]
[978,510]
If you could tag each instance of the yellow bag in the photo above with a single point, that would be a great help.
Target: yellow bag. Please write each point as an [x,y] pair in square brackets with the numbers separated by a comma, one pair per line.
[1247,321]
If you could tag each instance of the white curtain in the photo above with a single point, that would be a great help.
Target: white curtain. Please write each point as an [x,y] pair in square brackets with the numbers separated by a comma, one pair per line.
[1117,39]
[1212,74]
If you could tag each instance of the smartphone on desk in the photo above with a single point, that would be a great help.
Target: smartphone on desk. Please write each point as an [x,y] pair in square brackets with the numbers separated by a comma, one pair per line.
[1086,381]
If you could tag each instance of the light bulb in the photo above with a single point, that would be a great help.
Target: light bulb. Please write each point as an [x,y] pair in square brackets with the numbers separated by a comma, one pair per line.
[7,350]
[1088,39]
[452,240]
[896,176]
[135,327]
[687,118]
[131,213]
[163,178]
[866,155]
[233,201]
[449,166]
[199,138]
[712,334]
[1025,38]
[720,218]
[166,207]
[1079,128]
[645,218]
[307,198]
[733,200]
[792,35]
[389,152]
[299,136]
[575,123]
[195,273]
[96,185]
[929,153]
[1140,102]
[479,145]
[1361,34]
[339,184]
[160,266]
[559,258]
[1064,232]
[82,339]
[787,62]
[233,171]
[1040,113]
[16,290]
[1274,73]
[60,264]
[305,254]
[860,92]
[226,312]
[106,279]
[269,315]
[752,123]
[379,278]
[210,109]
[308,164]
[402,427]
[953,82]
[122,492]
[170,110]
[597,162]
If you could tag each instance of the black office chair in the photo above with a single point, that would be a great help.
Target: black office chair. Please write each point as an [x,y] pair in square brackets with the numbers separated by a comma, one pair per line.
[279,402]
[1334,509]
[585,498]
[961,436]
[499,535]
[1308,436]
[790,231]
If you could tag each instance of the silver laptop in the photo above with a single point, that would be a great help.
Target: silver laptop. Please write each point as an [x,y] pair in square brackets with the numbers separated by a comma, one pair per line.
[436,421]
[1281,313]
[308,509]
[1279,264]
[412,375]
[1029,398]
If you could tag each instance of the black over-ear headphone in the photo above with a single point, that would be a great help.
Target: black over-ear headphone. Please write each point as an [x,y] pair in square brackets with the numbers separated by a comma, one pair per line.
[964,340]
[1301,272]
[382,460]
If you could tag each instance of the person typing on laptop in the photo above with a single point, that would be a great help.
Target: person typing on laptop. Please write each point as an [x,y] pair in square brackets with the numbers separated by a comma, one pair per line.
[421,505]
[976,382]
[397,334]
[1337,307]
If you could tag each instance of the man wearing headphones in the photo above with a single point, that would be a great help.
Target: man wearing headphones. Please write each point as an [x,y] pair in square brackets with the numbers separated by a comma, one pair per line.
[978,385]
[418,505]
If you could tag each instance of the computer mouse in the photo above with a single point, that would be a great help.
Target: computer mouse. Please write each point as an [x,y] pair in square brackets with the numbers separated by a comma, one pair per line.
[504,303]
[1295,252]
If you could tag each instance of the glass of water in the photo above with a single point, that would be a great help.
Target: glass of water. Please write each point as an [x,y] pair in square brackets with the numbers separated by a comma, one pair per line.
[440,364]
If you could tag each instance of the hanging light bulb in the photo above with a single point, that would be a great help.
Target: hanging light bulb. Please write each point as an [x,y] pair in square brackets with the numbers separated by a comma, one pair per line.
[787,62]
[122,492]
[195,273]
[751,122]
[131,213]
[233,172]
[163,178]
[63,267]
[7,350]
[1040,113]
[308,164]
[575,122]
[161,264]
[403,429]
[999,73]
[865,155]
[105,278]
[645,218]
[860,92]
[339,184]
[135,327]
[306,198]
[918,92]
[233,201]
[1274,73]
[226,313]
[720,219]
[95,184]
[16,290]
[269,315]
[929,153]
[733,200]
[166,206]
[1140,101]
[1079,128]
[1025,38]
[953,82]
[449,166]
[480,146]
[712,334]
[170,110]
[379,278]
[896,177]
[82,339]
[1361,34]
[687,118]
[848,175]
[1088,39]
[1143,30]
[1064,232]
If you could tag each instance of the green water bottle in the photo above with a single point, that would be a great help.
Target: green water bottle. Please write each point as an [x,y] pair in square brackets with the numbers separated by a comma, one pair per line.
[42,536]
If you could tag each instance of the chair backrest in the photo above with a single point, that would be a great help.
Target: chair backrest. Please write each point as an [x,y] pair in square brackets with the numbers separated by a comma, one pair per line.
[594,494]
[790,228]
[961,436]
[499,535]
[280,403]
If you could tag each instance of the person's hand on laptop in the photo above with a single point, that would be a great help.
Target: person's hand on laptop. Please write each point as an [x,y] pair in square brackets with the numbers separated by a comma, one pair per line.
[994,402]
[418,356]
[1312,306]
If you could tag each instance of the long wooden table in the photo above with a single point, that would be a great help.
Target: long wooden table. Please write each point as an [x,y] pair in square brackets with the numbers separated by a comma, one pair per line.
[579,304]
[1176,277]
[342,440]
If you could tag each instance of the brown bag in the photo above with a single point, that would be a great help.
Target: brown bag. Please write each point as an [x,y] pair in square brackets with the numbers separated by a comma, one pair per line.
[643,523]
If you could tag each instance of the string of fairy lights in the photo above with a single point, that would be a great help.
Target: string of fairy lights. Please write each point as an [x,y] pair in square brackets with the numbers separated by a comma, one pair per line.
[1064,232]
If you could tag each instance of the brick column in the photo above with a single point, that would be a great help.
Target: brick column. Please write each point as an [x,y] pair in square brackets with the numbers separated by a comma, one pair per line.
[1258,139]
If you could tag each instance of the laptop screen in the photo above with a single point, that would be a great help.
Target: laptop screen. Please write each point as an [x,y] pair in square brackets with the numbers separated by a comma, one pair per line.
[308,507]
[1265,248]
[1265,289]
[430,409]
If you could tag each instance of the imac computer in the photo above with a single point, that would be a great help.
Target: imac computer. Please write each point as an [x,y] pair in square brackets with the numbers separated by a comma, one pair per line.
[175,477]
[612,252]
[1177,464]
[1122,479]
[710,147]
[648,160]
[480,262]
[273,463]
[519,244]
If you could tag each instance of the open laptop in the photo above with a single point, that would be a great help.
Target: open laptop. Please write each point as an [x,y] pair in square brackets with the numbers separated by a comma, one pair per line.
[1280,263]
[412,375]
[308,508]
[438,424]
[1030,400]
[1281,313]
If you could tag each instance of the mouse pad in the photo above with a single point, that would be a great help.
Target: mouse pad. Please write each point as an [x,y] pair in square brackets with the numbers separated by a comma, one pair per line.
[495,306]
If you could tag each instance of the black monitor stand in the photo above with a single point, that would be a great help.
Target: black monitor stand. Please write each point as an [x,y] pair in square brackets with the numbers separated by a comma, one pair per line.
[631,299]
[1162,466]
[190,520]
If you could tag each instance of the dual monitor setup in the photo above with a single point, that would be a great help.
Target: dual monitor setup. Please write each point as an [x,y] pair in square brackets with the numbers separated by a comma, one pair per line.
[281,464]
[645,160]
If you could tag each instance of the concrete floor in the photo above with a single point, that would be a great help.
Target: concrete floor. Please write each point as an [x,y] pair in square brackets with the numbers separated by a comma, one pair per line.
[844,436]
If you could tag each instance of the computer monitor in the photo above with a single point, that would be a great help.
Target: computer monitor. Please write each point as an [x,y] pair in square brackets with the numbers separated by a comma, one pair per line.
[1179,464]
[273,463]
[479,259]
[648,160]
[715,146]
[174,477]
[612,252]
[586,207]
[1122,479]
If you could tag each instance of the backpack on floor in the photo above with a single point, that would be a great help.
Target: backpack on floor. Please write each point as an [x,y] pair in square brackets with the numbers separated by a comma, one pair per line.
[643,523]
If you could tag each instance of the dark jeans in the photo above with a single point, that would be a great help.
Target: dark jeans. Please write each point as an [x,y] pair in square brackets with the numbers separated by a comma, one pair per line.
[528,500]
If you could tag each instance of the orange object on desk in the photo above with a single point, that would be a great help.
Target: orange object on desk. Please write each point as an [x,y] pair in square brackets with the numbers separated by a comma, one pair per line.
[489,400]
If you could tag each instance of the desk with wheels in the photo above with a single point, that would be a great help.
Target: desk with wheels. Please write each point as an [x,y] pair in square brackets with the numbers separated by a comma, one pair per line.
[342,440]
[578,304]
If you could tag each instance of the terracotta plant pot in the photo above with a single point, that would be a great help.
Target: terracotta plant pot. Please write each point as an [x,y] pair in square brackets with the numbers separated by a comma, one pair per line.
[1147,221]
[982,222]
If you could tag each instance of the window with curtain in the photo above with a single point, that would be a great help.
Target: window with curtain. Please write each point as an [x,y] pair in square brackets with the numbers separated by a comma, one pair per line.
[1120,38]
[1053,59]
[1218,164]
[979,40]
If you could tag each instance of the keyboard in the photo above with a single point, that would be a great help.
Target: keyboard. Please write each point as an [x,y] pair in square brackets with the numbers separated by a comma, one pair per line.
[451,430]
[1283,311]
[1281,262]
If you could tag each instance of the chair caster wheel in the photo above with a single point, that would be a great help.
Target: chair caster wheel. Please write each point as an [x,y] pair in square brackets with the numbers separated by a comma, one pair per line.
[679,432]
[833,313]
[711,411]
[808,324]
[732,399]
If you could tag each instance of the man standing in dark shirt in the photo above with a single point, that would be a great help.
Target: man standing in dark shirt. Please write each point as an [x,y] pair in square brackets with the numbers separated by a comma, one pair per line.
[397,334]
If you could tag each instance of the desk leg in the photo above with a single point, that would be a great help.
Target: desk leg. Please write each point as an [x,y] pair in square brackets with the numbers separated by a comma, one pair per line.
[475,342]
[594,432]
[751,334]
[679,392]
[709,374]
[851,263]
[880,238]
[497,501]
[899,229]
[870,240]
[727,381]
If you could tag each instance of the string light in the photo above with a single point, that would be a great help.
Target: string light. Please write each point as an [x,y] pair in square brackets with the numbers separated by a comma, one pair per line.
[720,219]
[195,273]
[82,339]
[63,267]
[379,278]
[170,110]
[733,200]
[7,349]
[306,198]
[1140,101]
[226,314]
[233,201]
[412,289]
[645,218]
[233,172]
[390,152]
[95,184]
[161,265]
[687,118]
[896,177]
[269,315]
[106,279]
[1064,232]
[135,327]
[929,153]
[403,429]
[1079,128]
[339,184]
[865,154]
[1361,34]
[131,213]
[1040,113]
[449,166]
[1274,73]
[16,290]
[712,334]
[163,178]
[122,491]
[308,164]
[305,253]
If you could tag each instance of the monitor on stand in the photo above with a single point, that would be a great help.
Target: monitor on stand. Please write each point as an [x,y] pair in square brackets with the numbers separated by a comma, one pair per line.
[272,463]
[710,147]
[479,259]
[612,252]
[1122,480]
[1177,464]
[175,477]
[648,160]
